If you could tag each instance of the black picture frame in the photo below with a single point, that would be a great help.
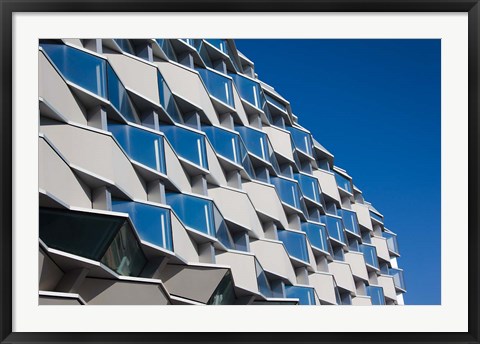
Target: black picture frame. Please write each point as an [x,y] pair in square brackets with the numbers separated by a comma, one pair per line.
[9,7]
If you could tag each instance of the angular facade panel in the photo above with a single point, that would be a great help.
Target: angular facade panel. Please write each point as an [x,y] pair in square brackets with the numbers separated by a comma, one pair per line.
[171,175]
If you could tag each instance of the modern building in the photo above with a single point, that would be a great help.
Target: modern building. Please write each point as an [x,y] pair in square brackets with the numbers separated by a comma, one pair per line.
[170,174]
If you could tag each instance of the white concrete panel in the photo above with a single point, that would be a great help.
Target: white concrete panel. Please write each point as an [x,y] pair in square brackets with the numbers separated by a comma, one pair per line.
[55,177]
[187,84]
[183,245]
[324,286]
[73,41]
[53,89]
[237,207]
[265,200]
[280,141]
[242,267]
[386,282]
[363,215]
[343,275]
[110,292]
[357,264]
[96,153]
[179,280]
[175,170]
[360,300]
[382,248]
[327,184]
[136,75]
[273,258]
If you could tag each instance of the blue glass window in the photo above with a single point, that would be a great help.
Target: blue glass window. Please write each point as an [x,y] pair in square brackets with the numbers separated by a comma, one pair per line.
[249,90]
[334,228]
[262,281]
[370,254]
[301,139]
[305,295]
[104,238]
[289,193]
[343,182]
[167,48]
[140,145]
[376,216]
[125,45]
[295,243]
[235,151]
[392,243]
[258,144]
[309,186]
[217,85]
[220,44]
[152,222]
[117,94]
[317,235]
[275,102]
[79,67]
[350,220]
[202,215]
[376,295]
[398,278]
[166,99]
[91,73]
[188,144]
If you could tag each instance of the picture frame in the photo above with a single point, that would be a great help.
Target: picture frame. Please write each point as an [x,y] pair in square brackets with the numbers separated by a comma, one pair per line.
[8,8]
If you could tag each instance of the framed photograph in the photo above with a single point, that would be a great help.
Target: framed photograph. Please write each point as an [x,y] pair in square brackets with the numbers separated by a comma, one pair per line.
[268,171]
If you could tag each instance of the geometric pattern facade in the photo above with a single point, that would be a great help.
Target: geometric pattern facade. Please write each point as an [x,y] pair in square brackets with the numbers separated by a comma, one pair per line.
[170,174]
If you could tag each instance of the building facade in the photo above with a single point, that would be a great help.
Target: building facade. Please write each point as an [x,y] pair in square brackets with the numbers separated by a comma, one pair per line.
[170,174]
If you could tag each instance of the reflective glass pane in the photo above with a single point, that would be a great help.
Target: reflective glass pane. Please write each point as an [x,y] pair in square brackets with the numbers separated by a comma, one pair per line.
[225,293]
[370,255]
[309,186]
[305,295]
[167,100]
[142,146]
[288,191]
[334,228]
[152,223]
[376,295]
[376,216]
[301,139]
[79,67]
[276,102]
[125,45]
[255,140]
[295,244]
[188,144]
[317,235]
[117,94]
[221,230]
[343,182]
[392,243]
[217,85]
[124,255]
[225,143]
[398,278]
[220,44]
[350,220]
[195,212]
[249,90]
[263,284]
[83,234]
[167,48]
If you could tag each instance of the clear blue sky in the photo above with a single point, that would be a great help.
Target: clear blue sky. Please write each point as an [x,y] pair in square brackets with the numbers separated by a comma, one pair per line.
[375,104]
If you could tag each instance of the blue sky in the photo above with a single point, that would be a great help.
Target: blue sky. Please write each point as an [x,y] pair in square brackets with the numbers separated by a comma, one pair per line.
[375,104]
